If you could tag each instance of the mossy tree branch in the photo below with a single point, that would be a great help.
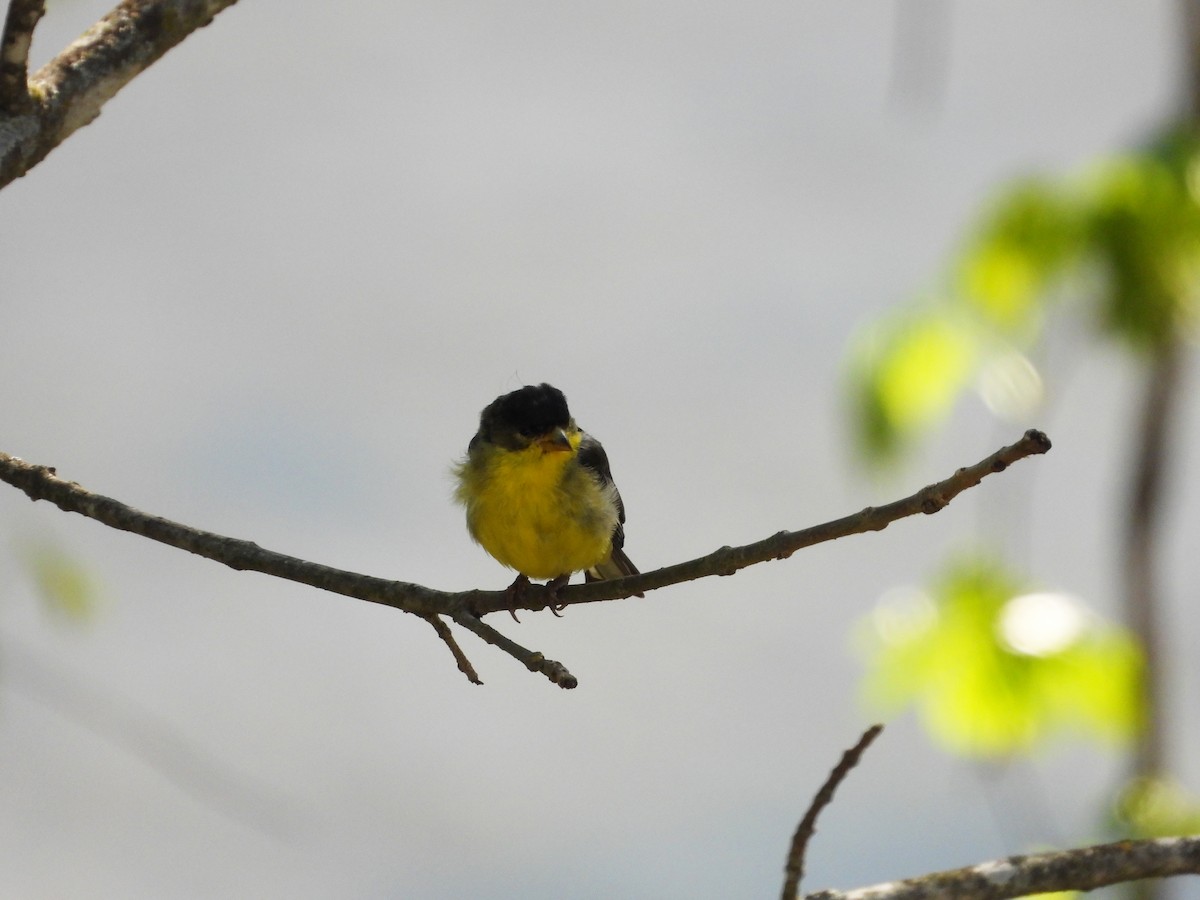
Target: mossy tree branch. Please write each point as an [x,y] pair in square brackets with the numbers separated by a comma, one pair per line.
[1083,869]
[39,113]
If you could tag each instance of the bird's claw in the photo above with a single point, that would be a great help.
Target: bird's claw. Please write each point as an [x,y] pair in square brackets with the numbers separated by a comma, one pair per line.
[552,587]
[514,594]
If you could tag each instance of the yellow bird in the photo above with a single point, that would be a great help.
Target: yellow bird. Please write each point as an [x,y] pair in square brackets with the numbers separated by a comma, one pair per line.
[539,494]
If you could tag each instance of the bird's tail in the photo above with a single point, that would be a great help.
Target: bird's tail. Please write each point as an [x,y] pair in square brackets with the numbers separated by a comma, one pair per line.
[617,565]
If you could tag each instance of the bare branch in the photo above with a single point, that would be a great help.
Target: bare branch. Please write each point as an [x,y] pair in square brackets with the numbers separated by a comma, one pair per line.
[1084,869]
[68,92]
[464,664]
[808,825]
[466,608]
[22,18]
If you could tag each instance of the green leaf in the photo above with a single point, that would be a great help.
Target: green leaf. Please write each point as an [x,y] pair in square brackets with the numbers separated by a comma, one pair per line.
[995,671]
[906,376]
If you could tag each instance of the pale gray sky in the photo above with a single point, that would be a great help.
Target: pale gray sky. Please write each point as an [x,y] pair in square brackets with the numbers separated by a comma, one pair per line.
[269,290]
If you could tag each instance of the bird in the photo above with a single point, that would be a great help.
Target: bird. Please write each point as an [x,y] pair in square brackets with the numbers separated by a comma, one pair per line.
[539,493]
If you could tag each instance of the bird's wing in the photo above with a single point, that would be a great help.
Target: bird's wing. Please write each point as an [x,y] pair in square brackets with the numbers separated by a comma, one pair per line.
[593,458]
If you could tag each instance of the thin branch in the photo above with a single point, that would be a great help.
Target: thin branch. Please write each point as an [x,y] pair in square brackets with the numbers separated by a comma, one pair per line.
[22,18]
[464,664]
[794,869]
[68,92]
[466,608]
[1084,869]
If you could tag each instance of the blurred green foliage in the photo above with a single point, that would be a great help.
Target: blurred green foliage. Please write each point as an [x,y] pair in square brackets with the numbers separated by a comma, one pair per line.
[1119,242]
[1118,245]
[1022,251]
[64,586]
[995,670]
[1158,807]
[908,372]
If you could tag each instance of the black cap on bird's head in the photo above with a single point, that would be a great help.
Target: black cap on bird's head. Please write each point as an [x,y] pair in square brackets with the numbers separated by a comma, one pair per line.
[515,420]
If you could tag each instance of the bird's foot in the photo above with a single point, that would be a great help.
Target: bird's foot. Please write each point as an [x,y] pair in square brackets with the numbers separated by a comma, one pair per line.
[514,593]
[552,587]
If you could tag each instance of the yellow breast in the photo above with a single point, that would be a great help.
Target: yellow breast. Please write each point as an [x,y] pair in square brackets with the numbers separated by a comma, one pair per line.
[541,513]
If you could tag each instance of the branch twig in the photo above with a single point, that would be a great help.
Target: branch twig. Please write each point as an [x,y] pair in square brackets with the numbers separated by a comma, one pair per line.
[808,825]
[68,92]
[1084,869]
[22,18]
[466,608]
[532,660]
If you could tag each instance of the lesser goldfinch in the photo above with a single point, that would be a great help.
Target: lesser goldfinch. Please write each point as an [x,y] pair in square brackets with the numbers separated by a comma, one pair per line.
[539,493]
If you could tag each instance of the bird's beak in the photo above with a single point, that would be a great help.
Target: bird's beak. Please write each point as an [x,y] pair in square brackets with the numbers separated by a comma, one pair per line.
[556,440]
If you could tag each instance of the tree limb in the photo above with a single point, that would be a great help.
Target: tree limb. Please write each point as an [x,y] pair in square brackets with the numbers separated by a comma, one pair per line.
[1084,869]
[794,870]
[466,607]
[68,92]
